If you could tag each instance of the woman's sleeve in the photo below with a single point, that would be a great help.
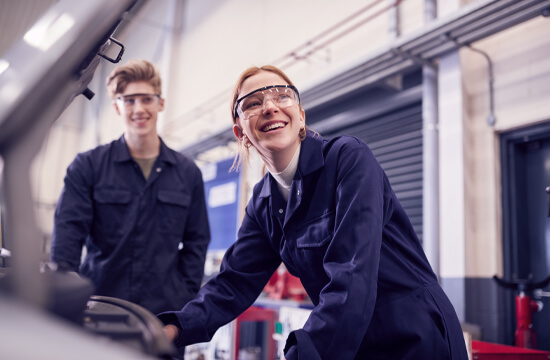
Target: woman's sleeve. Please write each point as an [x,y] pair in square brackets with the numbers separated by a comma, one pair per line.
[246,267]
[336,327]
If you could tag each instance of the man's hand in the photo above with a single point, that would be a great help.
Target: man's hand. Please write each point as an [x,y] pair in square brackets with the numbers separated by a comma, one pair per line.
[171,331]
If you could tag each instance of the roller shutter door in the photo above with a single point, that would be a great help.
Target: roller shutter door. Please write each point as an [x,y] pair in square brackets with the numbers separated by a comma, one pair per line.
[395,138]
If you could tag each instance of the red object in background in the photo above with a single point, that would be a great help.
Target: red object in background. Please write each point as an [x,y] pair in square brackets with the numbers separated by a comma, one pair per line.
[482,350]
[257,314]
[283,285]
[525,306]
[525,335]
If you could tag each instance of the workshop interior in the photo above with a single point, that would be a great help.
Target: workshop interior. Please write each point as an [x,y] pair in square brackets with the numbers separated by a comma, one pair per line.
[452,96]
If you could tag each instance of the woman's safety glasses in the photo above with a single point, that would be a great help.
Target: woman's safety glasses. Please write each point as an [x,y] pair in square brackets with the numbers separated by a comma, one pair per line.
[253,103]
[129,101]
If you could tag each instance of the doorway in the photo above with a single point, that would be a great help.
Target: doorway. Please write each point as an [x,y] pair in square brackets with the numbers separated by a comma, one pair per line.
[526,225]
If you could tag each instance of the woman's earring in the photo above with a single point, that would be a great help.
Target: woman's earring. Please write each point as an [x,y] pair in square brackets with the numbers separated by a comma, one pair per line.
[302,133]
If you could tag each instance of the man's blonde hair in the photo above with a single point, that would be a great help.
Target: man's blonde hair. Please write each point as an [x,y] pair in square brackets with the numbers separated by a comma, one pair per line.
[133,71]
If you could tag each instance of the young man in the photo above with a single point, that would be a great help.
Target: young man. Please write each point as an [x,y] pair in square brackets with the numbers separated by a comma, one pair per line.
[136,205]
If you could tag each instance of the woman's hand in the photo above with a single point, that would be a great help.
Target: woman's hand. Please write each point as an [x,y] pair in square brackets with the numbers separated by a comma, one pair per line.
[171,331]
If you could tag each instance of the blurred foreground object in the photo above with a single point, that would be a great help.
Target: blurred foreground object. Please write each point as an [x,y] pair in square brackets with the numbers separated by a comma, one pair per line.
[39,77]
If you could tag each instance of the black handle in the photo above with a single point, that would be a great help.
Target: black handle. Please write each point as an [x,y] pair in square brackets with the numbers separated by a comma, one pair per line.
[120,52]
[522,285]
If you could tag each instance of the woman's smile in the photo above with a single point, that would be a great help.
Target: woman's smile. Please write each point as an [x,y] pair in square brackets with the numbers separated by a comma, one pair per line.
[273,126]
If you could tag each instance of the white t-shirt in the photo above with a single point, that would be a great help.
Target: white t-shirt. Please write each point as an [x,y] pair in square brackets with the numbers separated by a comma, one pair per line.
[284,178]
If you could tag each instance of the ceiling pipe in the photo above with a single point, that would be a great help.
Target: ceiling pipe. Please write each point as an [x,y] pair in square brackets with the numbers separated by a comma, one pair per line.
[301,53]
[473,22]
[294,57]
[491,119]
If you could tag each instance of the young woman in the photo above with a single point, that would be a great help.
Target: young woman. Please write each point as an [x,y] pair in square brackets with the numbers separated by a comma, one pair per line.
[327,211]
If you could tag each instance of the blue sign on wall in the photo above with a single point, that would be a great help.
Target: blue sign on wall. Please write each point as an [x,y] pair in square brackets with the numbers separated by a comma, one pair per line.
[222,190]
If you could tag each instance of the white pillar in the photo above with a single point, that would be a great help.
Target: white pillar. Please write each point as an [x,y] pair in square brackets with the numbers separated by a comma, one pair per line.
[451,174]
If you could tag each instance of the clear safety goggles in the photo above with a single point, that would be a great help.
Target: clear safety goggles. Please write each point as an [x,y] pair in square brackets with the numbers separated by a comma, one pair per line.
[129,101]
[253,103]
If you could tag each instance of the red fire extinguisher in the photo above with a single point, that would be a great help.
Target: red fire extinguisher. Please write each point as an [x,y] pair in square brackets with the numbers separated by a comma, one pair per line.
[525,307]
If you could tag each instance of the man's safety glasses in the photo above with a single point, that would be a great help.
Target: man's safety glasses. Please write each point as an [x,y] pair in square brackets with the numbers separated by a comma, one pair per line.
[129,101]
[253,103]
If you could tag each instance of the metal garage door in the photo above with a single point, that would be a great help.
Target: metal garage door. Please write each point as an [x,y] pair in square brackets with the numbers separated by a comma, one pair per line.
[388,119]
[395,138]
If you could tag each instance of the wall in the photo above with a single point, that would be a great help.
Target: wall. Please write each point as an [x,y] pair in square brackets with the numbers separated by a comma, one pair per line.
[220,39]
[521,94]
[201,47]
[521,97]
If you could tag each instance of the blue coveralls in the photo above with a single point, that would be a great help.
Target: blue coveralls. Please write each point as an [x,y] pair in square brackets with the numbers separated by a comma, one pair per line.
[132,227]
[345,235]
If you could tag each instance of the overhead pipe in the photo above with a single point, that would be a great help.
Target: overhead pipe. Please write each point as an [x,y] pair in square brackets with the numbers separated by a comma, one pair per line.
[491,119]
[294,56]
[437,42]
[428,45]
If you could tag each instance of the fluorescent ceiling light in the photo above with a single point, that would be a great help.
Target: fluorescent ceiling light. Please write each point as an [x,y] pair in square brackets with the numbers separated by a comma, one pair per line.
[4,64]
[48,30]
